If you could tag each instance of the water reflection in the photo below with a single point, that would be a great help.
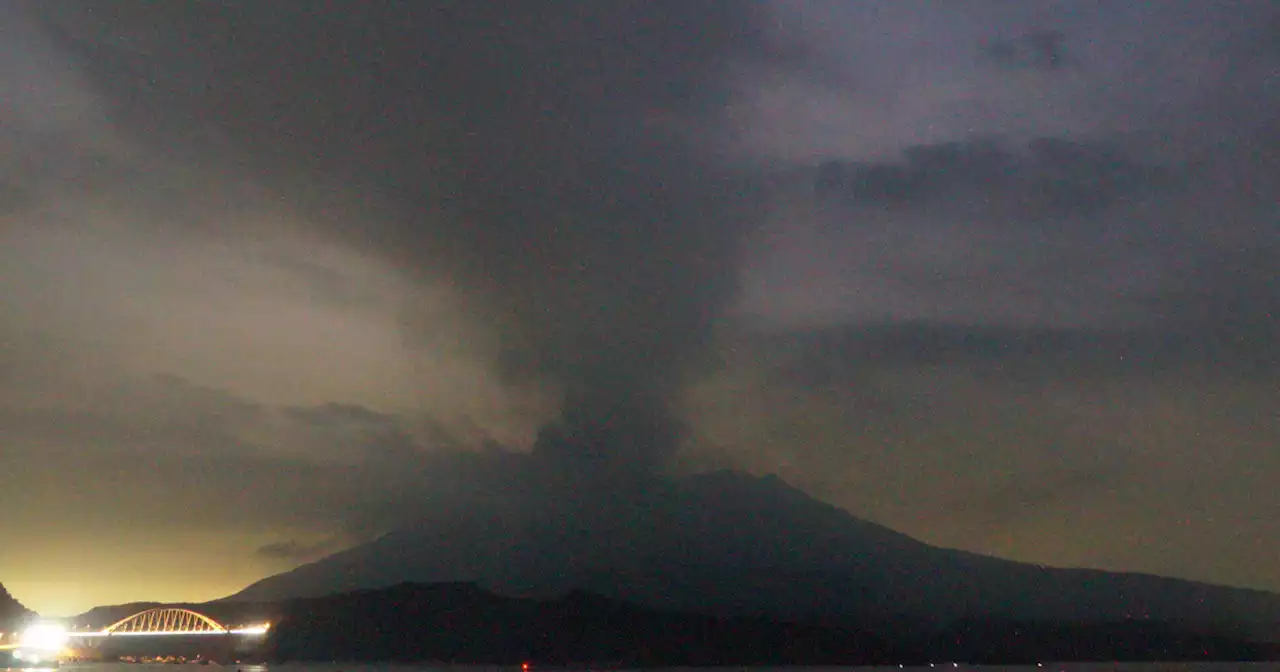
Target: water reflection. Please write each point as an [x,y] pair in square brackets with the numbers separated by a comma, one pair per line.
[339,667]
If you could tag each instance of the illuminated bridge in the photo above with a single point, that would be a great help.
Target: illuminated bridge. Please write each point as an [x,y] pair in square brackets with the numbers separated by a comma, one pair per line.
[44,642]
[170,621]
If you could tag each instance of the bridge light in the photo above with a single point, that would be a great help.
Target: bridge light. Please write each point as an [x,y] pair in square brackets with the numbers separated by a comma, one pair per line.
[252,630]
[44,637]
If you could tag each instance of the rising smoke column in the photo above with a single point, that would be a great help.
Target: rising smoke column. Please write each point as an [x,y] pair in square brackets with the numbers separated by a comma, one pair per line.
[556,161]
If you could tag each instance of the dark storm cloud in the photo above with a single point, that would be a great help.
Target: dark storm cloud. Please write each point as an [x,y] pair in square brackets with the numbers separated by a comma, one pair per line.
[1049,176]
[1038,49]
[1032,315]
[556,160]
[296,551]
[836,355]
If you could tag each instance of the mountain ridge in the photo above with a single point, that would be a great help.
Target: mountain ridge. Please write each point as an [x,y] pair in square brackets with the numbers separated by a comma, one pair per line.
[734,544]
[12,613]
[462,623]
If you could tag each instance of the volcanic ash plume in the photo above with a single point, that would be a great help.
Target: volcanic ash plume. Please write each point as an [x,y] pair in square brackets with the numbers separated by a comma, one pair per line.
[556,161]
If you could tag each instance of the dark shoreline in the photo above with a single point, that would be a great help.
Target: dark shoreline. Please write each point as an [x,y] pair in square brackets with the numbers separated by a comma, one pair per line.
[461,624]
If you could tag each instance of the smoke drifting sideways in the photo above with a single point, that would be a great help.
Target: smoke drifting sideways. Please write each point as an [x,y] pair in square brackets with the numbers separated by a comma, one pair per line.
[562,164]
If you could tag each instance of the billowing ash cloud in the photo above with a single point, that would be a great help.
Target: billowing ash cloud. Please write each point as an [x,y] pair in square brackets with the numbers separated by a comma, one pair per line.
[555,161]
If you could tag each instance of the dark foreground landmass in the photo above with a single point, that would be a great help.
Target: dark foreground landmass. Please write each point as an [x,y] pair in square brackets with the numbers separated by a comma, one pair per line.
[466,624]
[462,623]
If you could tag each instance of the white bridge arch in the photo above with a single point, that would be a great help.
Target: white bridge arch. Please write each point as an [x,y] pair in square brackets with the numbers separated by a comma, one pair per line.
[170,621]
[166,619]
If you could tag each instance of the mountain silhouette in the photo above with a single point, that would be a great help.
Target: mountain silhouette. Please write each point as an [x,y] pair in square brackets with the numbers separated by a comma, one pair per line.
[12,614]
[734,544]
[464,624]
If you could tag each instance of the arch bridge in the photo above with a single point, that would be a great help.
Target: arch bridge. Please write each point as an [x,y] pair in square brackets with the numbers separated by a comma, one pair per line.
[170,621]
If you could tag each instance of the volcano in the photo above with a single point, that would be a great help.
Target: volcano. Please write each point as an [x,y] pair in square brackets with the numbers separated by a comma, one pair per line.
[730,543]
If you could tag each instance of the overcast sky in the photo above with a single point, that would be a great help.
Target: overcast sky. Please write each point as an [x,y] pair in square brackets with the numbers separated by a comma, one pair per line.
[1000,275]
